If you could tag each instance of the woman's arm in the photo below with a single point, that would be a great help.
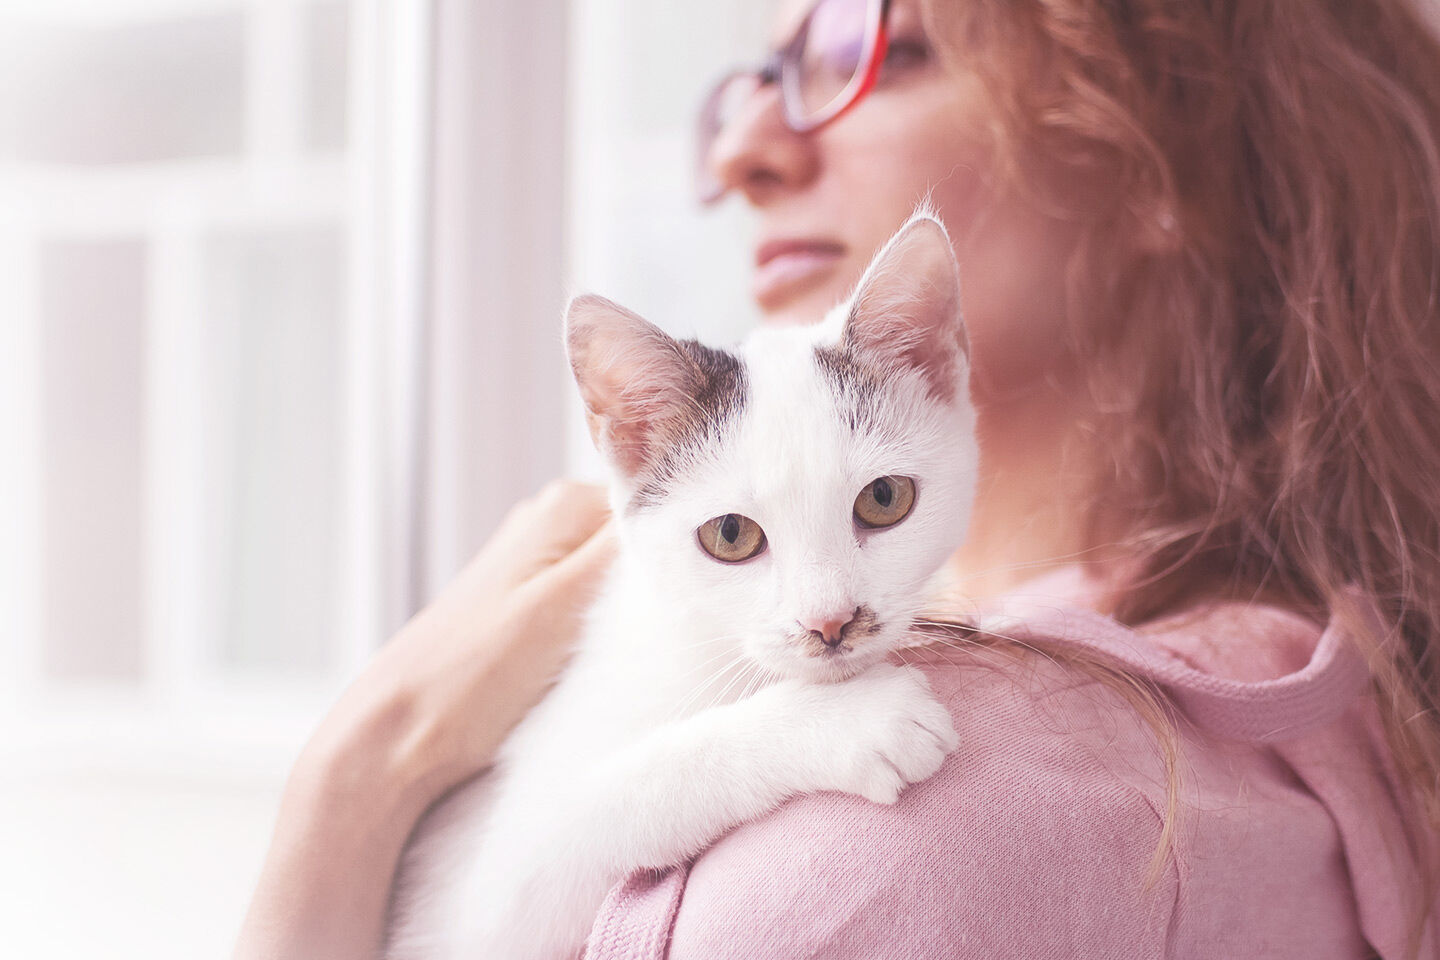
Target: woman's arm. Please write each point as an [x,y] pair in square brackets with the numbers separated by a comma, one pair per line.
[428,712]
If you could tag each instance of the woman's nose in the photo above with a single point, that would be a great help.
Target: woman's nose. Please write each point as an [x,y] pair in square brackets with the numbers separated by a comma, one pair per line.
[758,155]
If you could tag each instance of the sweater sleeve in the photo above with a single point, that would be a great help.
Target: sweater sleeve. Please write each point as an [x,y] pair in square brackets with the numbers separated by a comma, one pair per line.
[1027,844]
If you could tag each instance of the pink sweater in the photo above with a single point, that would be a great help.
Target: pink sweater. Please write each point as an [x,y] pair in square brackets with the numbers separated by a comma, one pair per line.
[1295,839]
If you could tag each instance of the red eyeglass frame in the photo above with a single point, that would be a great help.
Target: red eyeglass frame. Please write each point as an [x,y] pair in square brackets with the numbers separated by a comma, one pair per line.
[774,70]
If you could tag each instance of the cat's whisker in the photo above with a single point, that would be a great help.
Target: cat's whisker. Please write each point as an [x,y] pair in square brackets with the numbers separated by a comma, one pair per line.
[749,666]
[729,648]
[950,653]
[708,682]
[711,641]
[761,676]
[696,669]
[682,708]
[735,681]
[943,634]
[972,651]
[729,642]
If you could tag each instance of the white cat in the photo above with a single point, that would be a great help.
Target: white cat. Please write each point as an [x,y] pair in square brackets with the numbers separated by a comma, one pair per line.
[781,511]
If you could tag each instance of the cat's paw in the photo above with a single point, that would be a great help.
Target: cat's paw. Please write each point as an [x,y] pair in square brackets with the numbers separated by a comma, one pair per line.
[886,730]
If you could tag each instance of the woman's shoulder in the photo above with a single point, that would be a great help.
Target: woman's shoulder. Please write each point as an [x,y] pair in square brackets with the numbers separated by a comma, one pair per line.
[1023,844]
[1039,835]
[1044,834]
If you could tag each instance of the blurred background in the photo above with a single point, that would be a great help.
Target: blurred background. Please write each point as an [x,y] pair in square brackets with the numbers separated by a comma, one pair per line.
[280,293]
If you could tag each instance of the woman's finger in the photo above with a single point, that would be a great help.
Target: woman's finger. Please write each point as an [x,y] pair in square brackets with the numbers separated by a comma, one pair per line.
[538,533]
[570,513]
[590,559]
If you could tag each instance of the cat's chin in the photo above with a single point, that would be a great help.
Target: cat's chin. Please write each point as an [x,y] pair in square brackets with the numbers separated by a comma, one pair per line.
[826,669]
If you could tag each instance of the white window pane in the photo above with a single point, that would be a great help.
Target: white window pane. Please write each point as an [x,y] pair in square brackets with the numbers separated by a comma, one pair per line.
[122,94]
[327,39]
[274,344]
[93,311]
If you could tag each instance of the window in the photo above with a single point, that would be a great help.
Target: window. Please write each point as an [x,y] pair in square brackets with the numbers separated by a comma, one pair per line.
[212,210]
[279,343]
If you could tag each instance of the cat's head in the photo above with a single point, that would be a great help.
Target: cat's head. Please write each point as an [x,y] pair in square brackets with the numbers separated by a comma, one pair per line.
[796,495]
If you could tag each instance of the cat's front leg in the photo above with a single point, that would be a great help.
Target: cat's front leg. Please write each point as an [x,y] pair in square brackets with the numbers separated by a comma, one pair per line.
[668,796]
[673,793]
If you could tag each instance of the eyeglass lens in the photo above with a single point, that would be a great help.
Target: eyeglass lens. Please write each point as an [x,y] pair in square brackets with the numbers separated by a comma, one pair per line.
[832,51]
[819,69]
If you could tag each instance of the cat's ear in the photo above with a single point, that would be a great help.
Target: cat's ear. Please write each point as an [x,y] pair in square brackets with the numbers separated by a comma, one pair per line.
[643,390]
[905,313]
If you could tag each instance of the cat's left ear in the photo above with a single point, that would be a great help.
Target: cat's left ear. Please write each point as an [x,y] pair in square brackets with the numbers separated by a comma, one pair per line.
[644,391]
[906,314]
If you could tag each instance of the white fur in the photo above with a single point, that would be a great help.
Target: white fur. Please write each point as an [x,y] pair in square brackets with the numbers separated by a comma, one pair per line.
[686,710]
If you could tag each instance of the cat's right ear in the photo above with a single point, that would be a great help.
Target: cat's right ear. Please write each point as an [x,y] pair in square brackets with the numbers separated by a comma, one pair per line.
[905,312]
[633,379]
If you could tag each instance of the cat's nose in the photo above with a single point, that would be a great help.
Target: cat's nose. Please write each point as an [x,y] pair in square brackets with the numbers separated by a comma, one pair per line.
[831,629]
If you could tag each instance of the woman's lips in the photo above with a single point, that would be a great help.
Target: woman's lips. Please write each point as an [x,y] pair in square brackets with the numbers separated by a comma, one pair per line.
[783,267]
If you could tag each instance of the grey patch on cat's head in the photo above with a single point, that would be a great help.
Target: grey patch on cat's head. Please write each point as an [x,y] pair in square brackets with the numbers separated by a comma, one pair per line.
[717,397]
[856,384]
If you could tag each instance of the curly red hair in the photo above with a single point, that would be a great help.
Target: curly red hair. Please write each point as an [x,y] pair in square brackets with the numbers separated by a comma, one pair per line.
[1257,295]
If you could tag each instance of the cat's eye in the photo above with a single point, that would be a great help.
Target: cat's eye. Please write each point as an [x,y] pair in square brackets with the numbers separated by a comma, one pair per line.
[885,502]
[731,538]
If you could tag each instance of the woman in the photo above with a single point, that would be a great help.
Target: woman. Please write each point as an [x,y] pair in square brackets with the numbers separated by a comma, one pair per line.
[1201,246]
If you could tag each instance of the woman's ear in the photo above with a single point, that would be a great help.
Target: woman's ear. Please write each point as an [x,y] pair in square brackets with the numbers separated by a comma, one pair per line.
[905,313]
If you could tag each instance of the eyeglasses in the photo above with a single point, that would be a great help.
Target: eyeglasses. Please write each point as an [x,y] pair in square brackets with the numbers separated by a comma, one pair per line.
[823,71]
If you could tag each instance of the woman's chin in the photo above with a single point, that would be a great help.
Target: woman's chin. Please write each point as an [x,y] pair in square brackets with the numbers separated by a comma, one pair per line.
[800,306]
[799,312]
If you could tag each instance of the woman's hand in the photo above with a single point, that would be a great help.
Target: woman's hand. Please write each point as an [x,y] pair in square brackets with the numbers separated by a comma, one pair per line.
[439,698]
[428,712]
